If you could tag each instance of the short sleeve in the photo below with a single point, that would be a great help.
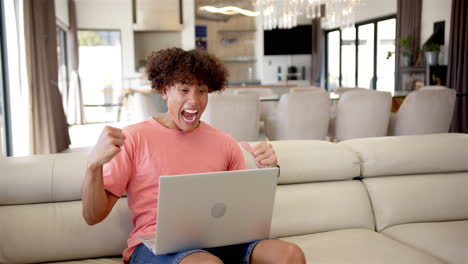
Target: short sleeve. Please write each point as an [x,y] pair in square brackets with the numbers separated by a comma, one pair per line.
[118,171]
[236,159]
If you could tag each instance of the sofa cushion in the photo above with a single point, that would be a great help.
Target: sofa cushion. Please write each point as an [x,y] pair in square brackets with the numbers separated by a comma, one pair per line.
[404,155]
[312,161]
[418,198]
[56,232]
[357,246]
[445,240]
[318,207]
[42,178]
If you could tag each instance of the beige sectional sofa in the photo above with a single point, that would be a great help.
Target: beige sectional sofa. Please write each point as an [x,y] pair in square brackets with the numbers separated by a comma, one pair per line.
[373,200]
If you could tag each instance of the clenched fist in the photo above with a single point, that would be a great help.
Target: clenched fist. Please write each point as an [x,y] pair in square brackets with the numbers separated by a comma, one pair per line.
[265,154]
[108,145]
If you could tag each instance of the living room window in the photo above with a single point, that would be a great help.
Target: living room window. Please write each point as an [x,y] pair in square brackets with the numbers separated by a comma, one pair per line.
[101,73]
[356,56]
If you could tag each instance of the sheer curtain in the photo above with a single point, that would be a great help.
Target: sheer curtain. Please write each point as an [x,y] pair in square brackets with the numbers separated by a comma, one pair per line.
[457,75]
[75,113]
[48,123]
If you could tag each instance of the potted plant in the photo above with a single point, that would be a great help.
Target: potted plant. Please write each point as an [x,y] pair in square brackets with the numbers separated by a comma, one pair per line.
[405,50]
[431,52]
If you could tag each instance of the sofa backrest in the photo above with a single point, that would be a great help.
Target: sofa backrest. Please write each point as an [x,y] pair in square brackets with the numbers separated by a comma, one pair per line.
[316,191]
[413,179]
[41,212]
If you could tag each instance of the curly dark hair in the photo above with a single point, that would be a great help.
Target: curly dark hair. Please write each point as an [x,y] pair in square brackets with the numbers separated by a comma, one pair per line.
[169,66]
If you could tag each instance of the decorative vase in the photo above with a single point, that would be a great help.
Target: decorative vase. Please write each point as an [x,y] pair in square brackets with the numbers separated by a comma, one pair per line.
[405,61]
[432,57]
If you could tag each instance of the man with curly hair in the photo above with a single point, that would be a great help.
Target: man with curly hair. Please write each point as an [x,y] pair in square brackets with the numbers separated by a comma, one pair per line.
[131,160]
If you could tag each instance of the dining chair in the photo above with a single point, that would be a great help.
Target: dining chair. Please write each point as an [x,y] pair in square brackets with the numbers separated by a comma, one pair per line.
[342,89]
[235,114]
[147,104]
[266,108]
[359,114]
[310,88]
[428,110]
[300,116]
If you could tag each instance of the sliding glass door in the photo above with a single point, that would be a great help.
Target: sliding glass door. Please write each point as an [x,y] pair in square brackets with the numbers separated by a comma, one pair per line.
[365,71]
[386,43]
[361,55]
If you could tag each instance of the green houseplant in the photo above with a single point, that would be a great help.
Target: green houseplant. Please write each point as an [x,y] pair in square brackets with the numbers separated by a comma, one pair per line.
[431,52]
[405,49]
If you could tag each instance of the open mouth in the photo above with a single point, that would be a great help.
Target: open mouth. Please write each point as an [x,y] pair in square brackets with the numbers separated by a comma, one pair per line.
[189,115]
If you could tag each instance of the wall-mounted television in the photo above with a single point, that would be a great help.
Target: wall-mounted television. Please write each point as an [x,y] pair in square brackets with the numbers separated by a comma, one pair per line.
[297,40]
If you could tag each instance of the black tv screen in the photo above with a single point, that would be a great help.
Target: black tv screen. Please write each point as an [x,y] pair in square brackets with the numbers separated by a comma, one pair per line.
[297,40]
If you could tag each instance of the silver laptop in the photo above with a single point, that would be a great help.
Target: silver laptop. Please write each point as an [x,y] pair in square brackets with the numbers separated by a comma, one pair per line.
[213,209]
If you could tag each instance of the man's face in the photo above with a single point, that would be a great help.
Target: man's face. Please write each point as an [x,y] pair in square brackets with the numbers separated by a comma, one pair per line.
[185,105]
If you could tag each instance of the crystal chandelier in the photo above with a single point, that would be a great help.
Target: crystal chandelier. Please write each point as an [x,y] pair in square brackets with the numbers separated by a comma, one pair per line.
[285,13]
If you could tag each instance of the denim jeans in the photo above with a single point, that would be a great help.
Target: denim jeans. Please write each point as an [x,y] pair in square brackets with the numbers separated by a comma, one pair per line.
[228,254]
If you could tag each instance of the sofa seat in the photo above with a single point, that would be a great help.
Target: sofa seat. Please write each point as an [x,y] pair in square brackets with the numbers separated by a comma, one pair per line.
[445,240]
[92,261]
[359,246]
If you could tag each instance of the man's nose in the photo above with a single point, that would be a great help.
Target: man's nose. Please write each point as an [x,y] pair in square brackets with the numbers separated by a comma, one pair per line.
[194,98]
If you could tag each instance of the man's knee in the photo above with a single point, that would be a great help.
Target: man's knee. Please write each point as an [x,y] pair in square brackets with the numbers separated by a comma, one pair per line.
[201,257]
[292,254]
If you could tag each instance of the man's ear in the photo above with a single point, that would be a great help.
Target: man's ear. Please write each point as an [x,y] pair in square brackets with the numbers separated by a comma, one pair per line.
[164,93]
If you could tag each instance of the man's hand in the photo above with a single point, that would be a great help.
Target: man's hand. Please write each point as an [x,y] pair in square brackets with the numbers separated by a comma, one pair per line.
[265,154]
[108,145]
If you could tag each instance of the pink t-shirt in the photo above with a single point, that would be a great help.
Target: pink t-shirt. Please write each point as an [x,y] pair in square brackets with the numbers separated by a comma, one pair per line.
[152,150]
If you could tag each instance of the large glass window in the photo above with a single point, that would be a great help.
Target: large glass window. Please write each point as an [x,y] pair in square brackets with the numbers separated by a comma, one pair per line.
[348,57]
[101,74]
[385,43]
[333,66]
[365,56]
[368,67]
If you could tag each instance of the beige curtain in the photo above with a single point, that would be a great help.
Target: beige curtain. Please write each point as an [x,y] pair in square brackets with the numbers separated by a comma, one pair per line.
[317,38]
[48,122]
[408,22]
[75,112]
[458,64]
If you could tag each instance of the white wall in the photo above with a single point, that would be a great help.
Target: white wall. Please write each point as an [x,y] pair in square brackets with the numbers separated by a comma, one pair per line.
[149,41]
[375,8]
[435,11]
[110,14]
[61,13]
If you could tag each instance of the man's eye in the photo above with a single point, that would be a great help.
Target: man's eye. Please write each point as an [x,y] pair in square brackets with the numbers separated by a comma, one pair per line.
[202,91]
